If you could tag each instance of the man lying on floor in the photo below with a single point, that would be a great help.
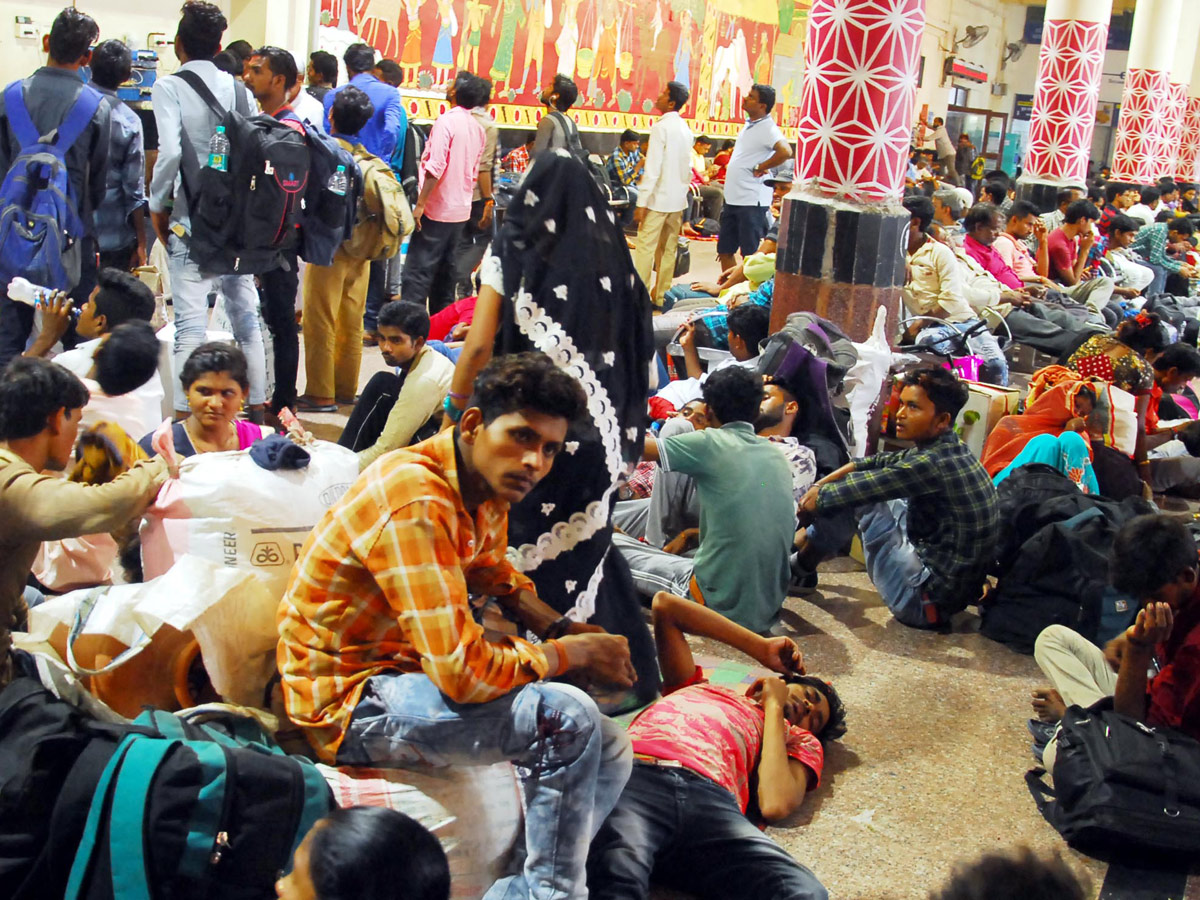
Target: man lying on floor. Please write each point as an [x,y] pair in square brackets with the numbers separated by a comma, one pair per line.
[927,515]
[747,511]
[682,819]
[383,663]
[1153,560]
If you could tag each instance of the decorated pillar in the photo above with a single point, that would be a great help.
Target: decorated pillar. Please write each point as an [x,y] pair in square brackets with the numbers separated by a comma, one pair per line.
[1180,79]
[1070,71]
[1187,167]
[842,233]
[1146,147]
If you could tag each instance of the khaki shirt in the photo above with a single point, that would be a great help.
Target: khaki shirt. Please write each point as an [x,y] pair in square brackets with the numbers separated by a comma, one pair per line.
[936,288]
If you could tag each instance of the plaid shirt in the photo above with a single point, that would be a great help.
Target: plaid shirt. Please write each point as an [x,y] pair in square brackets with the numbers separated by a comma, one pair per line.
[125,185]
[952,517]
[517,160]
[715,319]
[381,586]
[623,166]
[1150,243]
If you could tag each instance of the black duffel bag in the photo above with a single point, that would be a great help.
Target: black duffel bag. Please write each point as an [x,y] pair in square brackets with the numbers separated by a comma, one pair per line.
[1121,787]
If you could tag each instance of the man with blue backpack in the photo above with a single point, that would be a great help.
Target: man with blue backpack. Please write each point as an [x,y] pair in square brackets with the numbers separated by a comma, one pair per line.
[186,124]
[52,186]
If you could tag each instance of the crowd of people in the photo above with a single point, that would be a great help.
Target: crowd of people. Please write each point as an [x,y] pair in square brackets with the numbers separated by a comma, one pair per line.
[542,516]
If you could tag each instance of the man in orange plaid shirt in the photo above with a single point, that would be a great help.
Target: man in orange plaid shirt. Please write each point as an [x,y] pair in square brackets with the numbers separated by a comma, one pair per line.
[383,662]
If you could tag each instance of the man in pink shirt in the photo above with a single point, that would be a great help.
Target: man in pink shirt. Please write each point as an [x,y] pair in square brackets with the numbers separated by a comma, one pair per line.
[449,167]
[982,227]
[1011,244]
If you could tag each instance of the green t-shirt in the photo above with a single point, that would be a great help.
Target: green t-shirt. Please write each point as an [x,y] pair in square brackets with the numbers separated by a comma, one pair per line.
[747,518]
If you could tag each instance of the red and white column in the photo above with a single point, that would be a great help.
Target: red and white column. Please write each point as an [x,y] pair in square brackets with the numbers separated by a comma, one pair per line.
[842,227]
[1187,166]
[1070,71]
[1181,77]
[1146,142]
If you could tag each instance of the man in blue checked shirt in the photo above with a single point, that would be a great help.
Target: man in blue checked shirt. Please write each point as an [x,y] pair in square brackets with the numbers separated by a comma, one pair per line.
[120,218]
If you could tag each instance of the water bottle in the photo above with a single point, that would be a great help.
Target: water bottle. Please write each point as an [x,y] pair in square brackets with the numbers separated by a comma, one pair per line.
[339,182]
[25,291]
[218,150]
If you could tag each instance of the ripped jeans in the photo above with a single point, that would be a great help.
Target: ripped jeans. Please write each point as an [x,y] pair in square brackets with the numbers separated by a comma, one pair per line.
[572,762]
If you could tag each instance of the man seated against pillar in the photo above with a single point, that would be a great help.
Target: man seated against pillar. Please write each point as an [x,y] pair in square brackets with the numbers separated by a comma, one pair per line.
[402,406]
[1055,218]
[382,660]
[708,758]
[1118,198]
[1069,247]
[934,290]
[927,516]
[1154,561]
[747,510]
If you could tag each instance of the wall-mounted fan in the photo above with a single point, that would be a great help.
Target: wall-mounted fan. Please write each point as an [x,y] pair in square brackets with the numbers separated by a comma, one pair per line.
[972,36]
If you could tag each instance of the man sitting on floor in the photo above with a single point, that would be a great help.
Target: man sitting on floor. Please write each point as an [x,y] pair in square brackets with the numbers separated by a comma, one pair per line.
[927,516]
[1153,560]
[683,818]
[402,406]
[744,489]
[383,663]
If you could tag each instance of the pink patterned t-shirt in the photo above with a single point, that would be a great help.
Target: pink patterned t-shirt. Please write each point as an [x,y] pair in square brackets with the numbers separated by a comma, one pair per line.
[717,732]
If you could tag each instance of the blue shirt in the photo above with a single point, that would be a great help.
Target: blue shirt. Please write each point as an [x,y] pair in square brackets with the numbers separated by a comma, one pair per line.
[379,134]
[125,189]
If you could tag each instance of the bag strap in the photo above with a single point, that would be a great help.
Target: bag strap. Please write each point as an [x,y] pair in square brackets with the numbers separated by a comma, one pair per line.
[1041,792]
[78,119]
[196,83]
[91,828]
[83,612]
[22,125]
[126,842]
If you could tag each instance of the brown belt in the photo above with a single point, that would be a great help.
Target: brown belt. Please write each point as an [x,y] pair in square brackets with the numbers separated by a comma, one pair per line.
[655,761]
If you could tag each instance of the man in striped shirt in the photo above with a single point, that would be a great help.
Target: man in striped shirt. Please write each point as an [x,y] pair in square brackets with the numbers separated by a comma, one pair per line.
[383,662]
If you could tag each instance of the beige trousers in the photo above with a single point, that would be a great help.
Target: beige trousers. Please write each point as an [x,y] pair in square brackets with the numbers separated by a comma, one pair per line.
[1076,668]
[657,241]
[334,299]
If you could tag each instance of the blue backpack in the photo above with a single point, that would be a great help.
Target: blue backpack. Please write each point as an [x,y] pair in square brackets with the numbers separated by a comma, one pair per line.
[40,224]
[328,219]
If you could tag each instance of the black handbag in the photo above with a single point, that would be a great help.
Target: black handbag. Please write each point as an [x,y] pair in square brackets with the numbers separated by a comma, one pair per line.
[1122,787]
[683,257]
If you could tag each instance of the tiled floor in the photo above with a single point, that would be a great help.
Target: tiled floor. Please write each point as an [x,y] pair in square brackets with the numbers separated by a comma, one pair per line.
[931,771]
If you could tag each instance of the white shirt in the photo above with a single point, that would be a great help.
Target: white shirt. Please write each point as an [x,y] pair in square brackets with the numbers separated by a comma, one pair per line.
[668,173]
[943,146]
[936,288]
[1142,213]
[140,406]
[756,144]
[309,109]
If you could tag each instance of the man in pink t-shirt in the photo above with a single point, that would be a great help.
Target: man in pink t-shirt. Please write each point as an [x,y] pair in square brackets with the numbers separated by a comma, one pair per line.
[448,170]
[682,818]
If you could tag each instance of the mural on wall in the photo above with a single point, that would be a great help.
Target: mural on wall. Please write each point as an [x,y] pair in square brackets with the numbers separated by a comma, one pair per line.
[619,52]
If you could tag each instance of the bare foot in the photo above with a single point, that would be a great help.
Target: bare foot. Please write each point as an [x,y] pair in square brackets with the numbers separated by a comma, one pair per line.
[1048,704]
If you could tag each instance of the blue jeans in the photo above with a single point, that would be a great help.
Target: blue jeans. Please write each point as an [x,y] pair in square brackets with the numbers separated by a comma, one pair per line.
[190,289]
[892,561]
[572,762]
[682,830]
[994,368]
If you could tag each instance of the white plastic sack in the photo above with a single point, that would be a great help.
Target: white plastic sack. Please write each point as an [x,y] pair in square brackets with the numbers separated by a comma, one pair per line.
[864,382]
[226,509]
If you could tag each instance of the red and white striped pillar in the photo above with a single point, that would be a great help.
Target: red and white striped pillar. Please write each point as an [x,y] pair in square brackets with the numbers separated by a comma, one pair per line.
[1146,144]
[1187,166]
[1070,71]
[842,227]
[1180,78]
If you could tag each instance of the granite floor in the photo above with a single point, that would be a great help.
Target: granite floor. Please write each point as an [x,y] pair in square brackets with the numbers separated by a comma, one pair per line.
[932,769]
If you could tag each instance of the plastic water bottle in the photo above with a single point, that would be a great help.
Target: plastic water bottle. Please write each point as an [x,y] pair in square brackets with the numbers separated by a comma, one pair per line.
[218,150]
[339,182]
[25,291]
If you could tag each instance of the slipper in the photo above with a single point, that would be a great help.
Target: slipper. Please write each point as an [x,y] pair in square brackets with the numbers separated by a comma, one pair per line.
[307,406]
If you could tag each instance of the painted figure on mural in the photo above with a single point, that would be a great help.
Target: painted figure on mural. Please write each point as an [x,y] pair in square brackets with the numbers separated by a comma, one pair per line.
[539,15]
[762,65]
[376,13]
[656,52]
[567,44]
[708,44]
[589,34]
[443,51]
[474,15]
[510,14]
[605,67]
[410,56]
[683,51]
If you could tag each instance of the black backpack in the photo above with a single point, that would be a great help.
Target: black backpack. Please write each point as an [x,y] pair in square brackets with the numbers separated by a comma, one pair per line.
[410,169]
[328,219]
[1122,787]
[243,219]
[576,149]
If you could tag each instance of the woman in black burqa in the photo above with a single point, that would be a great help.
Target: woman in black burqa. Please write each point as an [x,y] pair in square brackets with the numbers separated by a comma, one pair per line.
[560,279]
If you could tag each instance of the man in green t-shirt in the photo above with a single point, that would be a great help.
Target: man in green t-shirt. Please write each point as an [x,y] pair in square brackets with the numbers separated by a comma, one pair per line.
[747,511]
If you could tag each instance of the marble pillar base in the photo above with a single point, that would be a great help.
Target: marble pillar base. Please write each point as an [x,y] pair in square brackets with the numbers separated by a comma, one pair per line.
[840,261]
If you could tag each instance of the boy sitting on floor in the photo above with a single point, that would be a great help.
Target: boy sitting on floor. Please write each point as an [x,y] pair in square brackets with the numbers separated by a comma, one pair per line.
[1154,560]
[682,819]
[927,515]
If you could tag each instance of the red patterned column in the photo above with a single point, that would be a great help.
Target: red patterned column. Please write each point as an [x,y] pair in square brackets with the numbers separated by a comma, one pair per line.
[1181,76]
[1147,136]
[1187,166]
[842,228]
[1070,69]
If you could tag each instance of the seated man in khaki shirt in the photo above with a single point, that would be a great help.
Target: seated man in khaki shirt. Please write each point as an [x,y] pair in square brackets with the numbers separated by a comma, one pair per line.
[40,407]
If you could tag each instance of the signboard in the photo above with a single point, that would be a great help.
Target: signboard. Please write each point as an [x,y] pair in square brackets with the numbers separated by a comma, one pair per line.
[956,67]
[620,53]
[1022,107]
